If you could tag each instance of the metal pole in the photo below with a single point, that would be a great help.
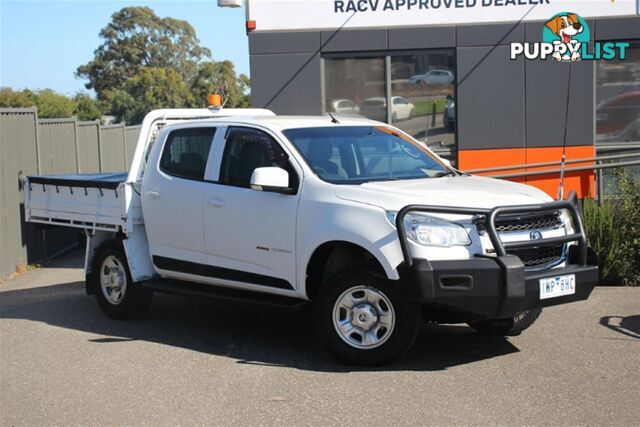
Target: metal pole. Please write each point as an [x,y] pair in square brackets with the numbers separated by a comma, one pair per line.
[388,94]
[576,169]
[600,186]
[543,164]
[99,127]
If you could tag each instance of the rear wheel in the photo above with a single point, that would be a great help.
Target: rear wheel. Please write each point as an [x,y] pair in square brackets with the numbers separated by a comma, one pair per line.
[507,327]
[116,294]
[360,319]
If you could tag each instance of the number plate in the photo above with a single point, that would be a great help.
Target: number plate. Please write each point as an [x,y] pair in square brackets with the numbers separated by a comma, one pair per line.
[558,286]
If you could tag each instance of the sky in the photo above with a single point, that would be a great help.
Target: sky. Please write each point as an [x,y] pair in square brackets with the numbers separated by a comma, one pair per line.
[43,42]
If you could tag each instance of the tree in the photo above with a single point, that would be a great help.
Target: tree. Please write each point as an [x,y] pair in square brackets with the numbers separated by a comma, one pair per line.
[136,38]
[86,107]
[13,99]
[151,88]
[147,62]
[245,101]
[119,103]
[220,78]
[52,105]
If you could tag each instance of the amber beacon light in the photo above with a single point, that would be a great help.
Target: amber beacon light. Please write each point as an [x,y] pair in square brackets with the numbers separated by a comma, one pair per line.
[214,101]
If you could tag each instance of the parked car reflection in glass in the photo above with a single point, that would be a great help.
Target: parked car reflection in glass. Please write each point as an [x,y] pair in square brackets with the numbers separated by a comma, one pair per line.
[432,77]
[343,106]
[376,108]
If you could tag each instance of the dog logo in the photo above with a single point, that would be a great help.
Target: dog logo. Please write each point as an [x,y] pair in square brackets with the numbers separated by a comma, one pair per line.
[567,32]
[565,38]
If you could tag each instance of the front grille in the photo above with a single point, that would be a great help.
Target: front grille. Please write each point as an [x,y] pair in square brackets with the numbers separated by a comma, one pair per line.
[541,257]
[534,257]
[507,224]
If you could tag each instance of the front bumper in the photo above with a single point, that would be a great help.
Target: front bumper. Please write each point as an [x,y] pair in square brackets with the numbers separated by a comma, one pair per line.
[495,286]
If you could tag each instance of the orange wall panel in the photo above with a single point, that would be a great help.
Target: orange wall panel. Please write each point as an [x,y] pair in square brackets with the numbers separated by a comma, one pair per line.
[582,182]
[492,158]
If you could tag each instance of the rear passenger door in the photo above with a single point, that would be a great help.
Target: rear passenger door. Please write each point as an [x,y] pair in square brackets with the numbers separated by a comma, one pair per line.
[172,199]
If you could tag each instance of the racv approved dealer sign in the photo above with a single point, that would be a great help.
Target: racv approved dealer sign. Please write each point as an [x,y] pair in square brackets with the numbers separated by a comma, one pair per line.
[282,15]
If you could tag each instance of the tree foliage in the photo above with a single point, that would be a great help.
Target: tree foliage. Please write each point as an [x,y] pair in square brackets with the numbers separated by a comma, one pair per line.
[136,38]
[86,107]
[144,62]
[13,99]
[220,77]
[151,88]
[51,104]
[147,62]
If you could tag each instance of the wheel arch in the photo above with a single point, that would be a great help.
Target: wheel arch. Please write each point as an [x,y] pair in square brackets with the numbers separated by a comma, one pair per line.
[333,256]
[95,241]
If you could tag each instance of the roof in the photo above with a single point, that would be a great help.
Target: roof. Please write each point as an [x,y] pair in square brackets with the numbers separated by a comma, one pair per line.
[289,122]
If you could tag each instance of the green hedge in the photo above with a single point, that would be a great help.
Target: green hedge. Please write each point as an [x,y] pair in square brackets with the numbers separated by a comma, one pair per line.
[613,230]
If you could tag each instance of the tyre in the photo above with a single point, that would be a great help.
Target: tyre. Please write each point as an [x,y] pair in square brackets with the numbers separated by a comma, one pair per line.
[360,319]
[507,327]
[116,294]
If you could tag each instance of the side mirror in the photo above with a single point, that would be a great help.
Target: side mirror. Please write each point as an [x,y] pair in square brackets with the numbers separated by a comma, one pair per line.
[271,179]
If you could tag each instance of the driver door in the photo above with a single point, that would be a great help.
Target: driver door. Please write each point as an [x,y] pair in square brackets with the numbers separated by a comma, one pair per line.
[250,235]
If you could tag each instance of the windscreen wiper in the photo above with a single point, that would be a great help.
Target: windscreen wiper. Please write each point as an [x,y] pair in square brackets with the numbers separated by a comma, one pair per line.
[442,174]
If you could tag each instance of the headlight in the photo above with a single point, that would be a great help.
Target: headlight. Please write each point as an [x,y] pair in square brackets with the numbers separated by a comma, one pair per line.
[430,231]
[568,221]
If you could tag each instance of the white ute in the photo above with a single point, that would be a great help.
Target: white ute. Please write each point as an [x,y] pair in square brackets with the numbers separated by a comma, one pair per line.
[351,216]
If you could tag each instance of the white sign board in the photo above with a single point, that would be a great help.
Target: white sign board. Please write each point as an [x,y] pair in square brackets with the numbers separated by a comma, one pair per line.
[279,15]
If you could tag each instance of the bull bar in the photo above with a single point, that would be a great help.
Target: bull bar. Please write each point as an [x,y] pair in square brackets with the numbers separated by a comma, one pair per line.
[495,286]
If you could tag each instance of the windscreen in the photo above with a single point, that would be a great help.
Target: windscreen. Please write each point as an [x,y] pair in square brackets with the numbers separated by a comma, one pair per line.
[358,154]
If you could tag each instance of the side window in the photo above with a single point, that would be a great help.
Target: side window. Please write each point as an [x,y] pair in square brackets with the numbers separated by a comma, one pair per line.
[185,152]
[247,149]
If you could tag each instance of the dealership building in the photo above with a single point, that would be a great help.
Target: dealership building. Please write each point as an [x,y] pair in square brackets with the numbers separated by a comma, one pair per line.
[448,73]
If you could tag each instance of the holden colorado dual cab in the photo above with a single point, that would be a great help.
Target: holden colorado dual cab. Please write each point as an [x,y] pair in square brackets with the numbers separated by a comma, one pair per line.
[351,216]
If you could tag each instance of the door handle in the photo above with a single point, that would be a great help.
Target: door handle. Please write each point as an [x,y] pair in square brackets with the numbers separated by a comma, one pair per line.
[153,194]
[215,202]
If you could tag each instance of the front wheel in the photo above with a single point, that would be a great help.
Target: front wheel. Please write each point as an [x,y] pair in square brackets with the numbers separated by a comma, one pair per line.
[361,320]
[116,294]
[507,327]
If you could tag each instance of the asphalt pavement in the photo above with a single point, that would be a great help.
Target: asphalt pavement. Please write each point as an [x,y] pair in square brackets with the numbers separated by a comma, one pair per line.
[62,362]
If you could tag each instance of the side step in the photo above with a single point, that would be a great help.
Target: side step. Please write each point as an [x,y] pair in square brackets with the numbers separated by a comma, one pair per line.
[180,287]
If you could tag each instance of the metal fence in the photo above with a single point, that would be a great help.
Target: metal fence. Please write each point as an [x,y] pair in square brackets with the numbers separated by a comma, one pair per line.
[32,146]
